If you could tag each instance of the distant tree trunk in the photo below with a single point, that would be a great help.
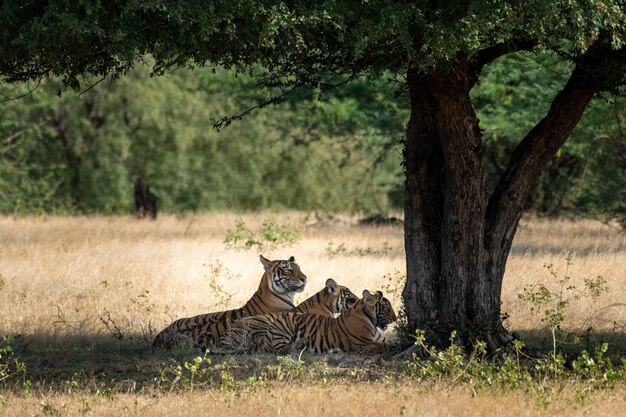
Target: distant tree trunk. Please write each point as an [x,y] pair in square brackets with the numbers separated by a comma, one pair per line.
[457,243]
[73,161]
[145,200]
[139,193]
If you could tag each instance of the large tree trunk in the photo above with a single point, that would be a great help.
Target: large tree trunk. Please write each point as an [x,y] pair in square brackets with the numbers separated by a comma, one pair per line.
[456,244]
[445,206]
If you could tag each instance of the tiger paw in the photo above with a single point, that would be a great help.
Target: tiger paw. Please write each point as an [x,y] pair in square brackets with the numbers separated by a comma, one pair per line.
[299,345]
[335,357]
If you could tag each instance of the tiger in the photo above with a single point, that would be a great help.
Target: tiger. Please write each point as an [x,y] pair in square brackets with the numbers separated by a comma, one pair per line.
[332,299]
[354,330]
[281,280]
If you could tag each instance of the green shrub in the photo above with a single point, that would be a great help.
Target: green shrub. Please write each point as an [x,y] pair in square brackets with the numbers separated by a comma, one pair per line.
[553,303]
[269,236]
[10,367]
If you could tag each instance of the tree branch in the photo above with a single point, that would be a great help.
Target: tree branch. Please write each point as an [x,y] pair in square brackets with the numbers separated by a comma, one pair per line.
[227,120]
[29,92]
[491,53]
[92,86]
[507,201]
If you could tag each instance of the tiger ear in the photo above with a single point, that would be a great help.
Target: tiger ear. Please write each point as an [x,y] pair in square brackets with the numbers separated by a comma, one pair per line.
[331,286]
[368,297]
[267,264]
[379,295]
[291,259]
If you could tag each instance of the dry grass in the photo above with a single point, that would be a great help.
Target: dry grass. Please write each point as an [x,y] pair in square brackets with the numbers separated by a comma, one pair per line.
[88,266]
[350,400]
[62,279]
[595,250]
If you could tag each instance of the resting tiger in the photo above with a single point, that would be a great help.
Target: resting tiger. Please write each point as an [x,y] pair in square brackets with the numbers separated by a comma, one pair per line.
[281,280]
[355,330]
[332,299]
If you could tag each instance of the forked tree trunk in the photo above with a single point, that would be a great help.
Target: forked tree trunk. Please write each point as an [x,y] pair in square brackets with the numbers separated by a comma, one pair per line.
[457,242]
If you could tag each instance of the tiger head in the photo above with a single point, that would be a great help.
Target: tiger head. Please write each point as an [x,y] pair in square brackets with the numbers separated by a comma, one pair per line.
[380,308]
[284,276]
[338,297]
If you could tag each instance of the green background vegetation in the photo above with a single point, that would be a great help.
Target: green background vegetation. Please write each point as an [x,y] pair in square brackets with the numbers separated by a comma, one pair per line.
[340,150]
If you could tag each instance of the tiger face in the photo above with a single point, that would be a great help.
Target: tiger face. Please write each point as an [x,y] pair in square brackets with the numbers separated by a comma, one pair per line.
[381,309]
[344,298]
[285,276]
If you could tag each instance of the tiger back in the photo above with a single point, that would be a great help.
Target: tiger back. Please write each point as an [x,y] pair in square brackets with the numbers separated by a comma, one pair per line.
[281,280]
[355,330]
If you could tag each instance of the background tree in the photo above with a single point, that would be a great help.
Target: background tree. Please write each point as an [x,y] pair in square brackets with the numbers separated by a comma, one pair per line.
[312,155]
[457,238]
[346,144]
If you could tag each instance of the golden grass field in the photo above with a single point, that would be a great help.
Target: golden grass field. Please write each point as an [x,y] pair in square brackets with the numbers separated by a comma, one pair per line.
[85,294]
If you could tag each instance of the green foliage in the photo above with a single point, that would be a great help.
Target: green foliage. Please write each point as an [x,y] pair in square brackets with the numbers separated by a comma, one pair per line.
[449,362]
[10,367]
[230,375]
[342,250]
[393,283]
[228,383]
[269,236]
[514,368]
[598,367]
[332,150]
[289,368]
[82,153]
[188,375]
[368,39]
[599,144]
[60,155]
[336,151]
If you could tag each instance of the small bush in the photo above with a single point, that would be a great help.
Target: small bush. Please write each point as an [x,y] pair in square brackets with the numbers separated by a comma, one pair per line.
[188,375]
[219,273]
[553,303]
[269,236]
[341,250]
[10,367]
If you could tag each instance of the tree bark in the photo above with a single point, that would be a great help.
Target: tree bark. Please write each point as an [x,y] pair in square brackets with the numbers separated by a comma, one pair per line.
[457,245]
[444,205]
[423,205]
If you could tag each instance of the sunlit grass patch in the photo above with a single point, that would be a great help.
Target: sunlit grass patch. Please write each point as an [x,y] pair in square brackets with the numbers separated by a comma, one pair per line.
[83,297]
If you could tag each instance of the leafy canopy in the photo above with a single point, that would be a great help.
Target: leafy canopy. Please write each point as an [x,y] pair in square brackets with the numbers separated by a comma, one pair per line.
[302,42]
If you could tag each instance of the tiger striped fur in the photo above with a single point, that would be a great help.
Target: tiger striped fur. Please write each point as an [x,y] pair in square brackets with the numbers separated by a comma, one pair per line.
[332,299]
[281,280]
[355,330]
